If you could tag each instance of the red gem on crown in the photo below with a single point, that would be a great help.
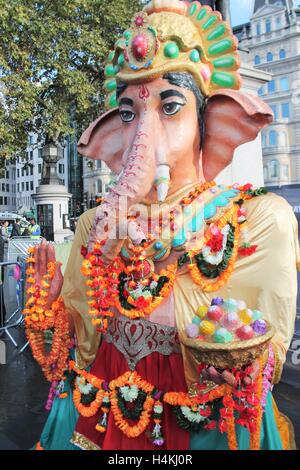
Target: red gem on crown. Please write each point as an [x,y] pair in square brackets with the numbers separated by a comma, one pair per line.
[139,21]
[140,47]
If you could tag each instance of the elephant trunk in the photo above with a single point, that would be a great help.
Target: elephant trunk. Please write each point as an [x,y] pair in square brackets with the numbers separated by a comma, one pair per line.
[134,183]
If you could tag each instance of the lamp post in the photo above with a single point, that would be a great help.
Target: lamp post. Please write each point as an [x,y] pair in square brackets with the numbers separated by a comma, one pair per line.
[51,154]
[52,197]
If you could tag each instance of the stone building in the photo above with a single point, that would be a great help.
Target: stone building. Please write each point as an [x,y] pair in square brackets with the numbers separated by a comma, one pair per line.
[21,178]
[97,179]
[272,40]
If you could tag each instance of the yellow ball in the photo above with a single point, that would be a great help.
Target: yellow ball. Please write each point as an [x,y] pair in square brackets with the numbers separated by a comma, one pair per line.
[202,311]
[246,316]
[207,328]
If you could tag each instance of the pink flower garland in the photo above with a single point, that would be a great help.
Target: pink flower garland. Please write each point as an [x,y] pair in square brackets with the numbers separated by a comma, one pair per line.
[267,377]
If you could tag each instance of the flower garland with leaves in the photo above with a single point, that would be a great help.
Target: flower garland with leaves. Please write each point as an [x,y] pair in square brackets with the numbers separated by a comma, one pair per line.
[200,271]
[38,320]
[241,405]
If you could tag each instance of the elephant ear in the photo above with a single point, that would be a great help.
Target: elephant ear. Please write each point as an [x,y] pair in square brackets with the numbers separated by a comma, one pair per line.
[102,140]
[232,118]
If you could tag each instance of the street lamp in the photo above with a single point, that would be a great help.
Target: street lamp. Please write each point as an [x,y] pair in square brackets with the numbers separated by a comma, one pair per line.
[51,154]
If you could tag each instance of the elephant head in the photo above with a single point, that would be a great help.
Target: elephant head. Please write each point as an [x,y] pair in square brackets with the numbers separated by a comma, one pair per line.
[169,134]
[177,113]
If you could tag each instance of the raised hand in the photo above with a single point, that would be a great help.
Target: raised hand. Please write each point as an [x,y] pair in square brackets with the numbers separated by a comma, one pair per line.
[44,253]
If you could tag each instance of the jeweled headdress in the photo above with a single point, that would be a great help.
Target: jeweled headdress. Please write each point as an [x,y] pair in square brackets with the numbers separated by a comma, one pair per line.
[174,35]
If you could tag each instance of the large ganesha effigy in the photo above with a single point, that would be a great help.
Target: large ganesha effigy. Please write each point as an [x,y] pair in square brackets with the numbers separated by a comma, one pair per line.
[180,293]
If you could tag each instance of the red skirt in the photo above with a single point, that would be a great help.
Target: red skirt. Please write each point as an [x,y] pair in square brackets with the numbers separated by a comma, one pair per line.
[166,373]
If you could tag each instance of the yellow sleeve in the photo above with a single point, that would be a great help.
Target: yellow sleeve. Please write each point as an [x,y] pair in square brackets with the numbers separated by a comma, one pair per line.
[273,227]
[74,294]
[266,281]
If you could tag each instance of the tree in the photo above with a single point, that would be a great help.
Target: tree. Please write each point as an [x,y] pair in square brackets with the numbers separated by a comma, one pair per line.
[52,56]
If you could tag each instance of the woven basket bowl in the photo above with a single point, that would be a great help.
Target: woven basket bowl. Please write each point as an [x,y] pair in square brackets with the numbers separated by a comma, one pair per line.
[231,355]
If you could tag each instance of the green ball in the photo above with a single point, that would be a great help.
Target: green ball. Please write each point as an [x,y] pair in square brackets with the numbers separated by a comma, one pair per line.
[113,103]
[222,336]
[195,55]
[171,50]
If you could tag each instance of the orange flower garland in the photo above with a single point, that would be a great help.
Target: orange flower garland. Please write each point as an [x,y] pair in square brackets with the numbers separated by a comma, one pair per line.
[170,273]
[174,399]
[102,286]
[38,320]
[90,410]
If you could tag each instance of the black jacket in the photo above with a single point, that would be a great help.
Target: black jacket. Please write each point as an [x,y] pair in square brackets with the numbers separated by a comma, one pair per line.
[16,231]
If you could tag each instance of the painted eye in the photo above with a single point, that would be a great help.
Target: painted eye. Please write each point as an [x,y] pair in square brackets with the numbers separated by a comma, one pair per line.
[127,116]
[172,108]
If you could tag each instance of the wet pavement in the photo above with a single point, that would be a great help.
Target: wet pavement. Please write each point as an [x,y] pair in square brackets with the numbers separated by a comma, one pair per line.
[23,392]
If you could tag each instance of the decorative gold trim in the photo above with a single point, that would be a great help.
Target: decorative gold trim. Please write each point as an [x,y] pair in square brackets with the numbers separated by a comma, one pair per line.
[292,439]
[83,442]
[278,367]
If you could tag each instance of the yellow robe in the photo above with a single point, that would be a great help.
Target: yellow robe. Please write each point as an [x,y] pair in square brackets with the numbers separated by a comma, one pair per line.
[267,280]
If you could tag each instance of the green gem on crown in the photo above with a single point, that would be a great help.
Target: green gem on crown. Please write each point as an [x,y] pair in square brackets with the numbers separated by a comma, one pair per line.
[110,70]
[110,85]
[202,14]
[193,9]
[171,50]
[195,55]
[127,35]
[113,103]
[121,60]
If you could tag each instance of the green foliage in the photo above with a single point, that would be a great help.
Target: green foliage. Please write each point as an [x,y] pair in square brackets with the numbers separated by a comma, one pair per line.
[52,56]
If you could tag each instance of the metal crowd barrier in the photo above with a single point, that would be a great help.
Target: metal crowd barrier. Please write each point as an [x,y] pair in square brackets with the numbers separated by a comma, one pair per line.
[12,290]
[14,319]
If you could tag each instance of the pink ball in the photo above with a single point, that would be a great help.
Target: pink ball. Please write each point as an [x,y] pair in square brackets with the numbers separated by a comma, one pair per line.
[192,330]
[231,321]
[245,332]
[215,313]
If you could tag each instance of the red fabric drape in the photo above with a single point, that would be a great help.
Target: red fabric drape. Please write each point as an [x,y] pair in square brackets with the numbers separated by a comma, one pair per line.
[166,373]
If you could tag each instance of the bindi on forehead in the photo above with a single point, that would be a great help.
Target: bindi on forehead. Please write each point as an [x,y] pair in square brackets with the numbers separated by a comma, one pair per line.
[144,93]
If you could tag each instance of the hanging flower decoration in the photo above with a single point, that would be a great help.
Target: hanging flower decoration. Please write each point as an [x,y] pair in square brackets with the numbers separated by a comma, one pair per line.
[39,319]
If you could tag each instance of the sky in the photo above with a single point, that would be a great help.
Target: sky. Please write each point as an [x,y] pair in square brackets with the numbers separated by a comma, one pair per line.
[241,10]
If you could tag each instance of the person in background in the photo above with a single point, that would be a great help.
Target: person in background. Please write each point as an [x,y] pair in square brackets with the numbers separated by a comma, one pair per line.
[34,228]
[4,231]
[26,232]
[16,230]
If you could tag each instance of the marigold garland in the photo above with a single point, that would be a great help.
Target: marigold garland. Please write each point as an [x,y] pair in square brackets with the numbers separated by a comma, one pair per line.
[90,410]
[249,409]
[38,319]
[170,274]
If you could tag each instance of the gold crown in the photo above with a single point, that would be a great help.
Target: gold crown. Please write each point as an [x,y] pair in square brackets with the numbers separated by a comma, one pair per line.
[175,36]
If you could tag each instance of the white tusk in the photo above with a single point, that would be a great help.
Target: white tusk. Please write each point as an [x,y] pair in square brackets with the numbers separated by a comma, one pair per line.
[162,182]
[135,233]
